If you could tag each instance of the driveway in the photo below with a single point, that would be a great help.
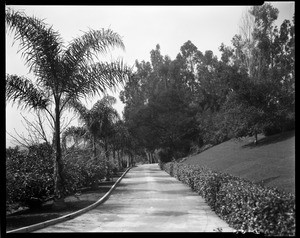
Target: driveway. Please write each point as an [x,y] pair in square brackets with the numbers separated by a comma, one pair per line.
[147,200]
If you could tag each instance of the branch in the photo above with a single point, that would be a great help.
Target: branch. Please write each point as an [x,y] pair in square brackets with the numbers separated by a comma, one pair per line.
[35,127]
[40,123]
[24,143]
[50,122]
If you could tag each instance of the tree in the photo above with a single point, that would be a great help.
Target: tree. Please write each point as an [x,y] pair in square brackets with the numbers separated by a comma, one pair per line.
[245,43]
[76,133]
[123,142]
[98,121]
[267,54]
[157,100]
[62,73]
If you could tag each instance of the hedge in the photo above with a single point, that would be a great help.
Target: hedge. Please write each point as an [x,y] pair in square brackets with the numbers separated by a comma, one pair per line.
[244,205]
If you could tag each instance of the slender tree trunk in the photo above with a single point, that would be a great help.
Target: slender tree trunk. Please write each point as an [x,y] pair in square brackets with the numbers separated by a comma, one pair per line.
[114,154]
[129,160]
[94,148]
[148,156]
[255,140]
[107,160]
[122,156]
[152,159]
[58,166]
[119,161]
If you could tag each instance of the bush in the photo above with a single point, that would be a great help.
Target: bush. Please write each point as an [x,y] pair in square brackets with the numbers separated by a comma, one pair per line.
[29,177]
[244,205]
[113,167]
[82,170]
[29,174]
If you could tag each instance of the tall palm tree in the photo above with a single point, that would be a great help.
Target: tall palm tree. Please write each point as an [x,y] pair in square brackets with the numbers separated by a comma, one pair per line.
[62,73]
[98,121]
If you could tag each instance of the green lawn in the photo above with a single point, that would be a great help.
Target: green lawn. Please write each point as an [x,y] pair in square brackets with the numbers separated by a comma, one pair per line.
[271,161]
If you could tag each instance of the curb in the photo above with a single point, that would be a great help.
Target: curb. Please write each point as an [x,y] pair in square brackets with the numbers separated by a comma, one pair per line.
[71,215]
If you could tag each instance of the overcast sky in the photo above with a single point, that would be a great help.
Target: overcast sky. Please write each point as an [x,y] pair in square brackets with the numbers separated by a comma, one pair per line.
[142,27]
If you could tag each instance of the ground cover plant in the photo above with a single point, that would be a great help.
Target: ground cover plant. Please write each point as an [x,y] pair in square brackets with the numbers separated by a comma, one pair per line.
[243,204]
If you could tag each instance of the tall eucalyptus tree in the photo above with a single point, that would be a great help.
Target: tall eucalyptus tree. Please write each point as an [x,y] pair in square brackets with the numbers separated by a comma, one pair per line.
[62,73]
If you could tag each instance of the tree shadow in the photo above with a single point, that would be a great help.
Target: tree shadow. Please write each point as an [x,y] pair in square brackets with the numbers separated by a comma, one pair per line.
[270,139]
[267,180]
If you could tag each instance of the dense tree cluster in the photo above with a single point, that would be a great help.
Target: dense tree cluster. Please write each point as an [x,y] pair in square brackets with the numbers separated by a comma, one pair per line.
[175,106]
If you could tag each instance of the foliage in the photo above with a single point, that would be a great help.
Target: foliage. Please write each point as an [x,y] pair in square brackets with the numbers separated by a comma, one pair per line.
[29,174]
[244,205]
[178,105]
[76,133]
[61,73]
[98,120]
[82,170]
[158,112]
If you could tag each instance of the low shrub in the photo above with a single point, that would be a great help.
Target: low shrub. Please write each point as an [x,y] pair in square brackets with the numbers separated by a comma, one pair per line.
[244,205]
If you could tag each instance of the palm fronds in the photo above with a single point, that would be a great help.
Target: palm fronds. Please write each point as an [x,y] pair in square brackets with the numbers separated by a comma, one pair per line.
[22,91]
[80,109]
[97,78]
[85,47]
[67,74]
[40,45]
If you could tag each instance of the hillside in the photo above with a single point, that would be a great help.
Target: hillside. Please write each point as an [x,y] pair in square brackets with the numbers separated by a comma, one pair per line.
[271,161]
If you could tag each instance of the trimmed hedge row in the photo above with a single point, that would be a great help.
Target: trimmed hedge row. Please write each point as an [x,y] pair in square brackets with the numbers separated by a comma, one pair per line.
[242,204]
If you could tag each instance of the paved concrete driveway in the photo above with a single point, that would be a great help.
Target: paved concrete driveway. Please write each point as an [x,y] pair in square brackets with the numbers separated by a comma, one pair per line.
[147,200]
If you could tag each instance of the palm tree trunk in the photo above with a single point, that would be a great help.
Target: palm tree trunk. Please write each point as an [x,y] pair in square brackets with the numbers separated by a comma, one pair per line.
[94,148]
[58,168]
[128,160]
[114,154]
[107,160]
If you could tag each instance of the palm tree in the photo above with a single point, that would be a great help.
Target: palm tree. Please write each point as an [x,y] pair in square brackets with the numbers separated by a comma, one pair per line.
[61,73]
[120,138]
[76,133]
[98,121]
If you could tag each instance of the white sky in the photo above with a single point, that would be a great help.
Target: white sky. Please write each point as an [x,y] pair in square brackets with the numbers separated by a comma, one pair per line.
[142,27]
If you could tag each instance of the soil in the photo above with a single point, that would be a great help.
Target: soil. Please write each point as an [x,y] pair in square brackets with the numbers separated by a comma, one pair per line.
[25,216]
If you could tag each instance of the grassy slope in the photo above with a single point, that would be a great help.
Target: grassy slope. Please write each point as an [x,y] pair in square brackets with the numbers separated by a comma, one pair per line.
[271,162]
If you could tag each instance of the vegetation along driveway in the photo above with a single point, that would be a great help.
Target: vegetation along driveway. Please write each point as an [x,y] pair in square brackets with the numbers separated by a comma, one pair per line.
[147,200]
